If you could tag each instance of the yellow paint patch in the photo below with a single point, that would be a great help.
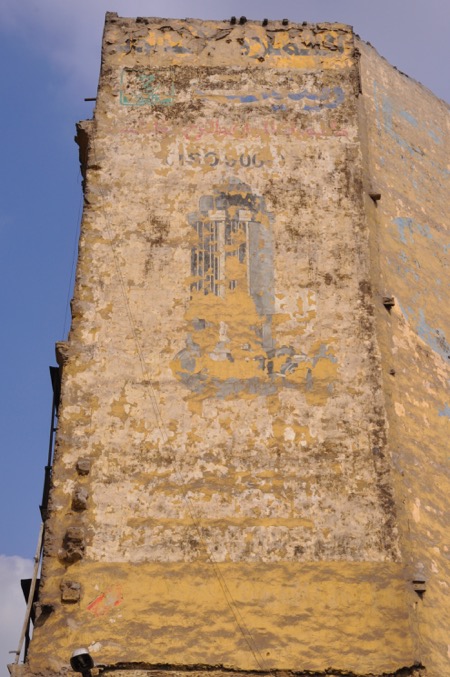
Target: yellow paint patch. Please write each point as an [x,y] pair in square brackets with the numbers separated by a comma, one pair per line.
[189,598]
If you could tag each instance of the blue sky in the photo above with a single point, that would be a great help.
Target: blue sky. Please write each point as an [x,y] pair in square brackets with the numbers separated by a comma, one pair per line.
[50,63]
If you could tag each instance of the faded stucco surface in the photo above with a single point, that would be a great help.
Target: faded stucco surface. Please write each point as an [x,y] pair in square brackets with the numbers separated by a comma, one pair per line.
[226,489]
[408,133]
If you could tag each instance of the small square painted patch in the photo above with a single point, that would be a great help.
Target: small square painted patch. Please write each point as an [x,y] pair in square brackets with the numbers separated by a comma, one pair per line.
[141,88]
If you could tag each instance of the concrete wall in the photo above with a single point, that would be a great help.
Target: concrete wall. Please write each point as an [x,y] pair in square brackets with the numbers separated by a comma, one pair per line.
[408,162]
[223,492]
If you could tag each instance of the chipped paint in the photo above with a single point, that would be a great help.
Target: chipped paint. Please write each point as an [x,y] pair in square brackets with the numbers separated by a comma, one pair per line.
[106,601]
[311,101]
[223,374]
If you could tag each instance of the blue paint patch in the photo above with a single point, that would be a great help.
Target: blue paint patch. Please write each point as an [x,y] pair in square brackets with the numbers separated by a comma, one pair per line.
[388,114]
[302,95]
[322,353]
[443,171]
[243,99]
[271,95]
[387,108]
[407,227]
[404,225]
[402,308]
[177,49]
[410,118]
[326,99]
[424,230]
[377,107]
[445,411]
[435,338]
[434,136]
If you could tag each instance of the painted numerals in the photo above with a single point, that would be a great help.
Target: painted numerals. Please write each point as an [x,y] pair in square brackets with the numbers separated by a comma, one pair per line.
[211,158]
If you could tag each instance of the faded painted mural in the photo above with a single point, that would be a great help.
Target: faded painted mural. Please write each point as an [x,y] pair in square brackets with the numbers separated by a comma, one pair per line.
[223,434]
[231,316]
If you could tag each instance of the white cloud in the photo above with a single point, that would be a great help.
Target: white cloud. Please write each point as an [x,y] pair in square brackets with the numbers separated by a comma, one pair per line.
[12,607]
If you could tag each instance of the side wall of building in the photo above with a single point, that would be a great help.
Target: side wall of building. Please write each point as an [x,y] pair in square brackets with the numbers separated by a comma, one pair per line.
[408,132]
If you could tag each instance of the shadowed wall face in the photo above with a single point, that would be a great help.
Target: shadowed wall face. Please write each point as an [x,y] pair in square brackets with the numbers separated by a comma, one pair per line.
[222,382]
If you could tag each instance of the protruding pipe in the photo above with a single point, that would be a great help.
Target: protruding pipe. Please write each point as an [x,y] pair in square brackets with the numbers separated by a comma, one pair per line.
[388,302]
[375,195]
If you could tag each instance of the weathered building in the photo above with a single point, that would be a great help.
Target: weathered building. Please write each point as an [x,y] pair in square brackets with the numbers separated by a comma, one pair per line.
[250,462]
